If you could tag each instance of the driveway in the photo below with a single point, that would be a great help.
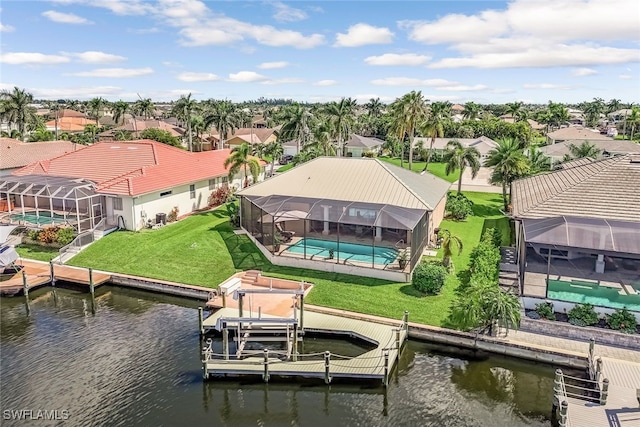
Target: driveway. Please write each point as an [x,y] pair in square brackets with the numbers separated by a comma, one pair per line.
[480,183]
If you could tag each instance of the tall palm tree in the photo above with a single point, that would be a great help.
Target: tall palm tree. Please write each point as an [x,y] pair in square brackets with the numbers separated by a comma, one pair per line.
[183,109]
[275,150]
[144,107]
[538,162]
[374,108]
[633,120]
[120,108]
[409,112]
[321,138]
[485,307]
[508,164]
[471,110]
[513,108]
[240,158]
[459,157]
[296,124]
[592,111]
[586,149]
[341,116]
[13,134]
[559,114]
[96,105]
[613,105]
[15,108]
[91,131]
[449,243]
[433,127]
[223,115]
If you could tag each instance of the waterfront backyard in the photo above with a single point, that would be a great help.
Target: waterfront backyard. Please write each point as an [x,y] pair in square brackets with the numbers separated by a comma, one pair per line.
[203,250]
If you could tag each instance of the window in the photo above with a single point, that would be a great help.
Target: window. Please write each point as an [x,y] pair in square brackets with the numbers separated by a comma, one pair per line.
[225,180]
[117,204]
[192,191]
[212,183]
[166,193]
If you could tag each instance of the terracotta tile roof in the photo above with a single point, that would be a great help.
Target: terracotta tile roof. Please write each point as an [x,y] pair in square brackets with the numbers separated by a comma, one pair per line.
[16,154]
[133,167]
[141,125]
[69,124]
[601,189]
[66,112]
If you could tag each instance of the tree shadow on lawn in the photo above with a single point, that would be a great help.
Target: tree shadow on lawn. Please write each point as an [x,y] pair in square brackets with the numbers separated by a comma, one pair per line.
[482,210]
[409,290]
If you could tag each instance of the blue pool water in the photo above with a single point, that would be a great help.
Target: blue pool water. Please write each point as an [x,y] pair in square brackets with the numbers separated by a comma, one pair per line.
[584,292]
[319,249]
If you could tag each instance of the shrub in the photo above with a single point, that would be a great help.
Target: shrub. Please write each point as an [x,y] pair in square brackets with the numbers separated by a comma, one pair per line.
[173,215]
[459,206]
[583,315]
[623,321]
[545,310]
[65,235]
[48,235]
[484,263]
[219,195]
[429,277]
[493,236]
[233,210]
[33,234]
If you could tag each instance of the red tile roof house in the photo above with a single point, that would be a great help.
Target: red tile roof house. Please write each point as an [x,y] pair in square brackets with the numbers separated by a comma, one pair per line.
[136,180]
[15,154]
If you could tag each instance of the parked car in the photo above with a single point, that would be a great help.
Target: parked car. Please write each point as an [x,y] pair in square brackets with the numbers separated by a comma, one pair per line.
[287,158]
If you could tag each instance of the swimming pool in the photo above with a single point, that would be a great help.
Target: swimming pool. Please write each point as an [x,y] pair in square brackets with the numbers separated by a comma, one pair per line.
[592,293]
[319,249]
[42,218]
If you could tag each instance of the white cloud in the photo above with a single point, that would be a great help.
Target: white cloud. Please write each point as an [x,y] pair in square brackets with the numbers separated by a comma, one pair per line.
[456,28]
[247,77]
[151,30]
[76,92]
[289,80]
[409,81]
[546,86]
[325,83]
[405,59]
[463,88]
[115,72]
[625,77]
[95,57]
[271,65]
[6,28]
[65,18]
[363,34]
[581,72]
[171,64]
[286,13]
[197,77]
[31,58]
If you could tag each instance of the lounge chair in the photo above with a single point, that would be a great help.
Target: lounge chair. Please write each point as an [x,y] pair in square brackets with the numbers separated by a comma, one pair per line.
[286,235]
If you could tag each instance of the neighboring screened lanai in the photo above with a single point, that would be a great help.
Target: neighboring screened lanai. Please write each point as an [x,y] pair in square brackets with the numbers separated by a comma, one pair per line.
[37,201]
[354,212]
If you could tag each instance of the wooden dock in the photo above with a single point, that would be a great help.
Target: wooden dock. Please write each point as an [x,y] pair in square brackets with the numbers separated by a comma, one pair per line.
[622,408]
[374,364]
[38,274]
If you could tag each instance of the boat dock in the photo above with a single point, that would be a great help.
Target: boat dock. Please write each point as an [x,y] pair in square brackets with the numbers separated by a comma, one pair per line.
[36,274]
[375,364]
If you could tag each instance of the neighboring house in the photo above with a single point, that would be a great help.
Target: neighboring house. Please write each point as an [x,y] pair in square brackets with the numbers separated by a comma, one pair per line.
[15,154]
[608,147]
[575,133]
[357,145]
[578,233]
[358,216]
[135,127]
[136,180]
[257,135]
[69,124]
[483,144]
[576,117]
[508,118]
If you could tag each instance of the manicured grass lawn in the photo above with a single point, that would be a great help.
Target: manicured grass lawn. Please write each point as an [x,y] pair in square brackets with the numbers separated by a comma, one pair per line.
[435,168]
[203,250]
[285,167]
[37,252]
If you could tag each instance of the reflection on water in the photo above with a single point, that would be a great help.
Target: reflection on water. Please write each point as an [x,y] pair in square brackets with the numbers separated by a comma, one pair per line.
[132,358]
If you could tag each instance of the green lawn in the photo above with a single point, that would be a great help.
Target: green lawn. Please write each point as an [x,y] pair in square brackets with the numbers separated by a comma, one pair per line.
[435,168]
[40,253]
[203,250]
[285,167]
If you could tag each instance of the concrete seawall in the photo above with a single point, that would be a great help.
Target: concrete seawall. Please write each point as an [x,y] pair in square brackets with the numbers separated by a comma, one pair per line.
[162,286]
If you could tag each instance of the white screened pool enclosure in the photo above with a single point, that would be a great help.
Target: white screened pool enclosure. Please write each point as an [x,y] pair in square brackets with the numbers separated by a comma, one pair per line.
[39,201]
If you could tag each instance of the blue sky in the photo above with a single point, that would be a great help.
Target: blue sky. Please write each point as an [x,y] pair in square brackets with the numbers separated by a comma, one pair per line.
[488,52]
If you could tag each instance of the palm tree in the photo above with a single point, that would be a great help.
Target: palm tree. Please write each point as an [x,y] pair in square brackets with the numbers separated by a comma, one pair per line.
[241,158]
[41,134]
[459,157]
[409,112]
[471,110]
[275,150]
[513,108]
[15,108]
[122,135]
[96,105]
[144,107]
[439,113]
[120,108]
[508,164]
[593,110]
[341,116]
[449,243]
[583,150]
[633,119]
[374,108]
[559,114]
[538,162]
[183,109]
[91,131]
[613,105]
[296,124]
[224,117]
[321,139]
[13,134]
[484,307]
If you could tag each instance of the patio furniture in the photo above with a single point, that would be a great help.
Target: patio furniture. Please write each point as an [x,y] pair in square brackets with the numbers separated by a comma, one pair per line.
[286,235]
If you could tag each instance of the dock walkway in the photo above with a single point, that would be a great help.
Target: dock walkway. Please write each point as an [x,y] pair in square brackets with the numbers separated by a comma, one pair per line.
[374,364]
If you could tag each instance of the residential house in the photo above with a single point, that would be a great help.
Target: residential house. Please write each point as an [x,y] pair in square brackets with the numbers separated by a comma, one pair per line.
[608,147]
[260,135]
[136,126]
[357,216]
[358,145]
[575,133]
[139,181]
[508,118]
[483,144]
[15,154]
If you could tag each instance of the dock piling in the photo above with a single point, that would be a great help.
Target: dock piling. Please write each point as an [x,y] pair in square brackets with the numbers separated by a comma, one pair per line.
[605,392]
[557,390]
[398,338]
[91,287]
[327,360]
[564,408]
[201,320]
[385,381]
[225,341]
[295,342]
[405,321]
[25,285]
[53,276]
[265,375]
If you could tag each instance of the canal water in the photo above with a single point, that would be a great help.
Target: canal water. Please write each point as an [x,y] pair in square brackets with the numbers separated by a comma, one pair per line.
[132,359]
